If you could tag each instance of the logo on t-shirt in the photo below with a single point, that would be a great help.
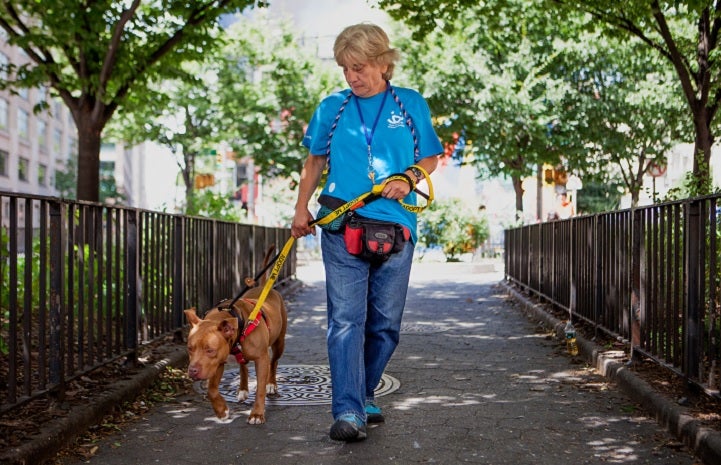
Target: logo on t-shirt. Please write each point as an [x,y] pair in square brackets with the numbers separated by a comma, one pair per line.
[395,121]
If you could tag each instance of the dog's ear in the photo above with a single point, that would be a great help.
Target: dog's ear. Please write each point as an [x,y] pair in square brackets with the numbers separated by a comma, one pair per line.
[192,317]
[228,327]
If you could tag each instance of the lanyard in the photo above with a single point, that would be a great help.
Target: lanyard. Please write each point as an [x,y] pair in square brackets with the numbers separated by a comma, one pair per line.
[369,134]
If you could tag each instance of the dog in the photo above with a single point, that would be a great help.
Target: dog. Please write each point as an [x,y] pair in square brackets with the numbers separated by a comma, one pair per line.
[224,330]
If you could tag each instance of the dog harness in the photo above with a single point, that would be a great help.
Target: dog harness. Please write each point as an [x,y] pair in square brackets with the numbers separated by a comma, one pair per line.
[236,349]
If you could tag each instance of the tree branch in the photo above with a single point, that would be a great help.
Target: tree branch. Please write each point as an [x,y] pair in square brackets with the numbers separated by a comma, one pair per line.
[196,17]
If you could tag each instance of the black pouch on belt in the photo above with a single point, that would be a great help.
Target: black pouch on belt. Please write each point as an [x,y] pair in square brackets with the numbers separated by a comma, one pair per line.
[374,240]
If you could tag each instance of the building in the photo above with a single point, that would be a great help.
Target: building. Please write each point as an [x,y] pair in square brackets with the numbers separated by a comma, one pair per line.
[34,145]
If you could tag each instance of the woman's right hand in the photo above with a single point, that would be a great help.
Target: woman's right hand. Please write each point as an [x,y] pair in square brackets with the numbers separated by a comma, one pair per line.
[301,223]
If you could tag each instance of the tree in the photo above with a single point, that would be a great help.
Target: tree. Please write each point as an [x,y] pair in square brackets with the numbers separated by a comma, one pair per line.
[254,94]
[625,113]
[94,54]
[181,114]
[494,89]
[685,33]
[452,225]
[269,86]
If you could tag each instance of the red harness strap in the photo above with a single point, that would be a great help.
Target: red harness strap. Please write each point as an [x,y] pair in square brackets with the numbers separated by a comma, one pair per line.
[236,349]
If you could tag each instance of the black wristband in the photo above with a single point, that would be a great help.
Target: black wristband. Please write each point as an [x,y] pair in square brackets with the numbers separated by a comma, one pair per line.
[405,177]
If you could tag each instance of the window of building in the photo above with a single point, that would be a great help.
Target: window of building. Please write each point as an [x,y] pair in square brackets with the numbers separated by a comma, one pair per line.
[57,140]
[23,169]
[42,135]
[4,160]
[42,175]
[23,93]
[23,118]
[73,148]
[42,94]
[57,109]
[4,113]
[4,63]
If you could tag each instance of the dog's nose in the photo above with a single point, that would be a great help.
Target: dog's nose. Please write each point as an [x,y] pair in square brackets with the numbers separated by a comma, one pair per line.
[193,372]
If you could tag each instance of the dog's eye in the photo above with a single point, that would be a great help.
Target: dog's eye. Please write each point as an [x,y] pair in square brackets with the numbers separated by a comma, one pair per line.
[210,352]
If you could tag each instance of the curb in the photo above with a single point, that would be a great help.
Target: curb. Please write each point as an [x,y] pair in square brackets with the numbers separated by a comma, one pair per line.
[704,442]
[57,434]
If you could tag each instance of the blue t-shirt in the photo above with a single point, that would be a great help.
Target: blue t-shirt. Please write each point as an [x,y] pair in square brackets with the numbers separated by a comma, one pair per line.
[392,146]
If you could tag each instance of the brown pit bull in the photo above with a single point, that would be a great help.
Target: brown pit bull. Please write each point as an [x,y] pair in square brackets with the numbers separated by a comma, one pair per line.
[211,340]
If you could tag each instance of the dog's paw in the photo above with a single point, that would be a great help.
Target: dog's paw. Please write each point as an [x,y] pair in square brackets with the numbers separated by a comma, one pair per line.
[271,389]
[256,419]
[242,395]
[225,416]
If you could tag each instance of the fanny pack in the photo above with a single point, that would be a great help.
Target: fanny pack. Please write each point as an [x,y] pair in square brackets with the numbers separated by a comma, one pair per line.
[373,240]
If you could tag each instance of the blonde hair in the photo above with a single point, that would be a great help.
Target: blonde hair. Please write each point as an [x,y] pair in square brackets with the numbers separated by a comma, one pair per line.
[365,43]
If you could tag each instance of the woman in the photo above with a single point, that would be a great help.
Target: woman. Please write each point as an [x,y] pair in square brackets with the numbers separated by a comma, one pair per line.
[366,135]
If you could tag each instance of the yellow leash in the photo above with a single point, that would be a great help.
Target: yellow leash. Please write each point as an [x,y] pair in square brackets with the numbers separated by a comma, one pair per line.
[351,205]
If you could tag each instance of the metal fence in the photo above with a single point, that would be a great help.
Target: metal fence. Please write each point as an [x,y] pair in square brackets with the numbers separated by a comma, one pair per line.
[649,276]
[86,284]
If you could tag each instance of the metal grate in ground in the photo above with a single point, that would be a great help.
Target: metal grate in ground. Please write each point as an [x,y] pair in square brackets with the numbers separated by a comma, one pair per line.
[297,385]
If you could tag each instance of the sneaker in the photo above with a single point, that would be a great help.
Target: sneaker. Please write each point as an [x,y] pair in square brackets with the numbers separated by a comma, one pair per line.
[348,428]
[373,412]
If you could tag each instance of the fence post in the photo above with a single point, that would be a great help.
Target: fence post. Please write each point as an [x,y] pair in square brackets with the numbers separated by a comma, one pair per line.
[635,311]
[178,275]
[693,283]
[131,282]
[56,354]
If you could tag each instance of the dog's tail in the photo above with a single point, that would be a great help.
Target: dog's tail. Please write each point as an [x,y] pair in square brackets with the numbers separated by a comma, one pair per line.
[266,262]
[250,282]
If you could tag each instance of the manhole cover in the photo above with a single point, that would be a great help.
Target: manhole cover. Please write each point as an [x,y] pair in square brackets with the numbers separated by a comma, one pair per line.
[297,385]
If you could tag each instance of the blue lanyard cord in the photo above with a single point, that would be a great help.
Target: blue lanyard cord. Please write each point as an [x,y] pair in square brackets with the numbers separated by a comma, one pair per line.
[335,123]
[369,134]
[409,122]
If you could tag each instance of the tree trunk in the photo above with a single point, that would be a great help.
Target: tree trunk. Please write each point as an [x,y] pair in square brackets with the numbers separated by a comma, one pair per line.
[516,180]
[89,138]
[702,151]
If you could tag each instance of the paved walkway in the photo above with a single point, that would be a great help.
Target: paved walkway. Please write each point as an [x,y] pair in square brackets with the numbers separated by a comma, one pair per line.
[477,382]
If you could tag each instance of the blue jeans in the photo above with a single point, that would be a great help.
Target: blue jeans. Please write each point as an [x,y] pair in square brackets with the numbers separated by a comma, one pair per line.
[365,306]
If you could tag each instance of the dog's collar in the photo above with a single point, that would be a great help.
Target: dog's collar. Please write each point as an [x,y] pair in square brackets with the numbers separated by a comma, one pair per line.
[229,306]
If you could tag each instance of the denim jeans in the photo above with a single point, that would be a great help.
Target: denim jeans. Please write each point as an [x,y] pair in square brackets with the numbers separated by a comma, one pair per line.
[365,306]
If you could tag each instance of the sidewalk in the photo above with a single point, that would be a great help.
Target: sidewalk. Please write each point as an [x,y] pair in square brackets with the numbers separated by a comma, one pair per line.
[473,381]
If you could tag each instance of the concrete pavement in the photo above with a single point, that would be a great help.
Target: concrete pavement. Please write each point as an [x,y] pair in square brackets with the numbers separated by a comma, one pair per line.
[474,380]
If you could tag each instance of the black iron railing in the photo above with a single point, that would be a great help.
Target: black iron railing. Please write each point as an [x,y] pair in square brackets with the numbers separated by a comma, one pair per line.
[649,276]
[86,284]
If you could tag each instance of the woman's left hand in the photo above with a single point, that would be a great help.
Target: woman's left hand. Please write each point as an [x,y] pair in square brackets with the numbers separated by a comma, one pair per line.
[396,190]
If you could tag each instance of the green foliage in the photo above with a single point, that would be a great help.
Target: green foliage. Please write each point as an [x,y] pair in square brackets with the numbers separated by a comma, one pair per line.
[599,197]
[210,204]
[254,96]
[614,84]
[269,85]
[65,180]
[452,225]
